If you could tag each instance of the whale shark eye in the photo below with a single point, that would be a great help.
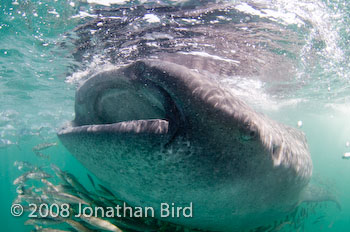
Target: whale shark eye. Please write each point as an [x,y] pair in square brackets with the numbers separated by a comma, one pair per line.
[246,133]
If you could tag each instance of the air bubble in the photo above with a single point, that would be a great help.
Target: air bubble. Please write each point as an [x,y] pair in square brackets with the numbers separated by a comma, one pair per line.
[346,155]
[300,124]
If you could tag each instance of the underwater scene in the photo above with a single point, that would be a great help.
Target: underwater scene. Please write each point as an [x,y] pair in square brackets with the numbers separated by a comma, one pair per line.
[175,115]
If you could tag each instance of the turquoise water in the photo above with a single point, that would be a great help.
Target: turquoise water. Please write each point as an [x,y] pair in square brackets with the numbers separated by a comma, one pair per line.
[39,75]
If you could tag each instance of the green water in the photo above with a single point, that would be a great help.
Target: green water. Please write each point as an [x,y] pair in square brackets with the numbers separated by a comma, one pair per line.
[36,57]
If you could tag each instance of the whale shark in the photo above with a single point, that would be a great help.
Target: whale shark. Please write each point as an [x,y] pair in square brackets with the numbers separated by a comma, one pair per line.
[160,128]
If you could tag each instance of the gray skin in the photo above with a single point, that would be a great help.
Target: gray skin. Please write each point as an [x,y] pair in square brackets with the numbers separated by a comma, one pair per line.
[156,131]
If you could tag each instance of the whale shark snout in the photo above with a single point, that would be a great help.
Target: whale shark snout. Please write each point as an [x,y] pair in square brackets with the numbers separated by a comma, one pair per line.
[156,132]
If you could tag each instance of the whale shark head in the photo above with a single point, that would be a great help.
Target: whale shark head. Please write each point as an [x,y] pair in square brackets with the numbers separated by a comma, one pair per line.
[156,132]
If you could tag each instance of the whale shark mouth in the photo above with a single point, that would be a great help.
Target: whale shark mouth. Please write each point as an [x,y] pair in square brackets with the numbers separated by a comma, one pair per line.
[119,102]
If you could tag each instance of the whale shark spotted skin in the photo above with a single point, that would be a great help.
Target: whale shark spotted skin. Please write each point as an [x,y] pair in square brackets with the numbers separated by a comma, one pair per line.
[161,127]
[157,132]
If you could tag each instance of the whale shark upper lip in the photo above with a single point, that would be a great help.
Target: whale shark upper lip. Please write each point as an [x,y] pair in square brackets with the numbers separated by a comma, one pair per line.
[151,126]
